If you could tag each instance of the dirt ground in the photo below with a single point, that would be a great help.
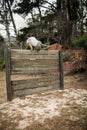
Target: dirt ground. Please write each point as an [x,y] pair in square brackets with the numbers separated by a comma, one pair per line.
[56,110]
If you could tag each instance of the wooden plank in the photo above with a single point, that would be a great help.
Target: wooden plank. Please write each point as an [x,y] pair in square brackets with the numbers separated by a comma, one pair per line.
[28,63]
[33,76]
[61,70]
[35,90]
[33,83]
[34,57]
[29,52]
[35,70]
[8,80]
[23,77]
[41,77]
[32,65]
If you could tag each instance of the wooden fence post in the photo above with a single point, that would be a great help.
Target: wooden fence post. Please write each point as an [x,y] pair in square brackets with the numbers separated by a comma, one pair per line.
[61,76]
[7,67]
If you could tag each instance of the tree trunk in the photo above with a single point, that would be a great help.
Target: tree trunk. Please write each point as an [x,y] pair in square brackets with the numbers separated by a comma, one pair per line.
[40,20]
[81,27]
[10,11]
[69,24]
[7,30]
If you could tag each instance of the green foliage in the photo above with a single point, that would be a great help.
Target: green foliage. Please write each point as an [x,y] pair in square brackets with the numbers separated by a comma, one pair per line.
[80,43]
[25,6]
[2,64]
[52,41]
[21,37]
[43,39]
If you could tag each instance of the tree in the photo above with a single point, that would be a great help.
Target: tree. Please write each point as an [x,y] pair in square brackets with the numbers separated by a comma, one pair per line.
[26,7]
[76,11]
[58,15]
[4,17]
[71,7]
[82,15]
[9,4]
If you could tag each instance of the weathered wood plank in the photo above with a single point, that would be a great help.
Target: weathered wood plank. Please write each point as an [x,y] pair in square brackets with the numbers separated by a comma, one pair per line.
[33,66]
[29,52]
[35,90]
[34,57]
[29,63]
[35,70]
[47,78]
[33,84]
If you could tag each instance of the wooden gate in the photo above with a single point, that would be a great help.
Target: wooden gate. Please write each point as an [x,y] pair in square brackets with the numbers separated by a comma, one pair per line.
[30,72]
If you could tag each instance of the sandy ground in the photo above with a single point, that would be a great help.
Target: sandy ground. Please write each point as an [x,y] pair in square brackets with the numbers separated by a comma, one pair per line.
[54,110]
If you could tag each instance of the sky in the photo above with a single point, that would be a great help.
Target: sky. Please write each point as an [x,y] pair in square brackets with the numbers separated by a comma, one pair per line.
[19,21]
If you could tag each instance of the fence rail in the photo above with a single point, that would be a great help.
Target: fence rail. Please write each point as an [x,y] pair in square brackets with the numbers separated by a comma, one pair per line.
[30,72]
